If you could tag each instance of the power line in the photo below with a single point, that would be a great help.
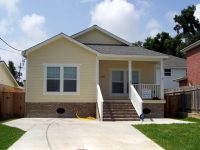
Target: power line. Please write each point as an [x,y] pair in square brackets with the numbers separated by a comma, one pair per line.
[9,51]
[9,45]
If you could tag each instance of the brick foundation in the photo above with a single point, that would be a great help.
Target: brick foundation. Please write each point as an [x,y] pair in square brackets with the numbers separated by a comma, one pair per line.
[157,110]
[48,110]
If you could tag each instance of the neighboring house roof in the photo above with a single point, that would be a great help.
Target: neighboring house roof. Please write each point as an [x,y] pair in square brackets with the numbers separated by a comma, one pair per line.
[174,62]
[180,79]
[125,50]
[102,30]
[56,37]
[9,73]
[191,46]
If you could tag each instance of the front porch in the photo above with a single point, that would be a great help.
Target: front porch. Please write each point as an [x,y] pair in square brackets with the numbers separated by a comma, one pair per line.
[115,77]
[130,83]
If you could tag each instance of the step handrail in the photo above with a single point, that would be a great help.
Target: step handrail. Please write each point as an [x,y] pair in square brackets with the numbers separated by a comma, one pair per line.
[100,102]
[136,100]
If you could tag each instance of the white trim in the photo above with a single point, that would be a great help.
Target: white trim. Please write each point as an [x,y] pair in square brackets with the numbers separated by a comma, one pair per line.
[61,35]
[27,79]
[161,80]
[130,57]
[61,79]
[97,75]
[129,76]
[191,46]
[102,30]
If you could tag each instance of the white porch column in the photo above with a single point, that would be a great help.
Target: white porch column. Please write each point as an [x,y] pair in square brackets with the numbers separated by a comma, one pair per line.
[97,70]
[129,74]
[97,75]
[161,80]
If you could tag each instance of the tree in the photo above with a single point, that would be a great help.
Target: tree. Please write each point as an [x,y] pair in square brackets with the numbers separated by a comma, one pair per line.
[12,69]
[188,32]
[138,44]
[186,23]
[187,26]
[163,43]
[15,74]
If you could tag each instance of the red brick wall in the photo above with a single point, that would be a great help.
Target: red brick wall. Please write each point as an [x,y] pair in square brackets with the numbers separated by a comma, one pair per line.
[193,66]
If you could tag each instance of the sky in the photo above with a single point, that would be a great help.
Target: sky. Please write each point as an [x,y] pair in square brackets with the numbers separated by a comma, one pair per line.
[24,23]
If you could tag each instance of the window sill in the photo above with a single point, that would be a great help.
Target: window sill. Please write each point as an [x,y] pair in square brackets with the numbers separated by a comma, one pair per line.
[61,93]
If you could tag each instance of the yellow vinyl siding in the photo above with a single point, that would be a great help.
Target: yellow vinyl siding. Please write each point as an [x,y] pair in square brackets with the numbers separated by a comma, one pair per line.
[97,37]
[63,52]
[5,77]
[145,68]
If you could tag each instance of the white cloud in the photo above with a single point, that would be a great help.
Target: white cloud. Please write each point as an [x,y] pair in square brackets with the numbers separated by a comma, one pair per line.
[88,1]
[170,16]
[33,28]
[154,27]
[117,16]
[10,6]
[197,12]
[4,25]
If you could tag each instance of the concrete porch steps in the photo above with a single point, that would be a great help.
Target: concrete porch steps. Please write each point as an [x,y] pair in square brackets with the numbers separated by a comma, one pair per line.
[119,111]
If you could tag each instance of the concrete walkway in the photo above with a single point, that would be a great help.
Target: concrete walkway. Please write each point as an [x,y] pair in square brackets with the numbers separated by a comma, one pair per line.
[74,134]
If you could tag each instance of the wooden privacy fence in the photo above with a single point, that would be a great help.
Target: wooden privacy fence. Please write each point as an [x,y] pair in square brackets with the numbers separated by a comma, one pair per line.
[184,100]
[12,105]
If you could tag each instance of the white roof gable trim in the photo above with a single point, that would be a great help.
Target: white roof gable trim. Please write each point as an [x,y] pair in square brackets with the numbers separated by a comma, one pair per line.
[102,30]
[195,44]
[61,35]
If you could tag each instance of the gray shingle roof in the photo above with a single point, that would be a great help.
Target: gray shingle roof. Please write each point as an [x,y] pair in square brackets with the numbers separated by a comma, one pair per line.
[174,62]
[124,50]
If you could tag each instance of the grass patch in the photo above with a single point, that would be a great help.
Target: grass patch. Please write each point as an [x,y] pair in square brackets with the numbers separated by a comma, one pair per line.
[174,136]
[8,136]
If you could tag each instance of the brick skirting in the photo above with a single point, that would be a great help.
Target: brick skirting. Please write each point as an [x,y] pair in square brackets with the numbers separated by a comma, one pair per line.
[157,110]
[48,110]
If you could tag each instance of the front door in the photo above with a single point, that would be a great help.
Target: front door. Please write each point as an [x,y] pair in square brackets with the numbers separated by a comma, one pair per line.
[119,81]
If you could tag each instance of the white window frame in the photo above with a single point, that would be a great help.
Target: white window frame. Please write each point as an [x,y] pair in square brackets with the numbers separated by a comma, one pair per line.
[45,92]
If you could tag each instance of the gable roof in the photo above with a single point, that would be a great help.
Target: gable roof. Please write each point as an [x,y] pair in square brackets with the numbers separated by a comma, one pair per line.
[126,50]
[101,50]
[9,73]
[195,44]
[61,35]
[174,62]
[102,30]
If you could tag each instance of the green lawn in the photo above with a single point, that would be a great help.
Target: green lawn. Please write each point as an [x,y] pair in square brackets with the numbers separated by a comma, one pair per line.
[174,136]
[8,136]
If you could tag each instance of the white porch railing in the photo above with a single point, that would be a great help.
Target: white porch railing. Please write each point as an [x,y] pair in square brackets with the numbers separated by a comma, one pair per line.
[136,100]
[100,102]
[148,91]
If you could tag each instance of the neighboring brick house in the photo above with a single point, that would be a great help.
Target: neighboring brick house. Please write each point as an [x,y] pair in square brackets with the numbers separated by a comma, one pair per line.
[193,63]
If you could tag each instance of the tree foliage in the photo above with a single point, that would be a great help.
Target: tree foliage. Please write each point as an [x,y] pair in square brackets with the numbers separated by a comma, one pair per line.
[187,28]
[14,72]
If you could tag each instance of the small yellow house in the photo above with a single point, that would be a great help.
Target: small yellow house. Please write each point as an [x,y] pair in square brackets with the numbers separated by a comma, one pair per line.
[93,73]
[7,81]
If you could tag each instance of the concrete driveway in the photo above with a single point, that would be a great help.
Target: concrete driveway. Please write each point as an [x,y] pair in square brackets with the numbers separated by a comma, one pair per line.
[74,134]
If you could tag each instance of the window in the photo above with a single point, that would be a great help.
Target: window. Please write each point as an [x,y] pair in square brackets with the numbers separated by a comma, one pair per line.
[62,79]
[53,79]
[117,81]
[70,79]
[135,77]
[167,72]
